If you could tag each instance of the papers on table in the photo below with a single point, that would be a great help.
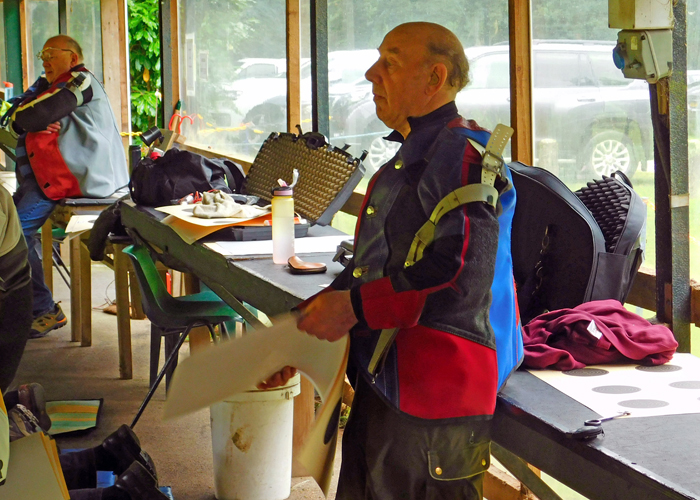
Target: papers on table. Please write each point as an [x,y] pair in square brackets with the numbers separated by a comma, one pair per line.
[237,365]
[644,391]
[309,244]
[80,223]
[191,228]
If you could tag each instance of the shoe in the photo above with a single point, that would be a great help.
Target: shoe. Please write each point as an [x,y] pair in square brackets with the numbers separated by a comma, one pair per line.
[123,445]
[31,396]
[22,422]
[46,322]
[139,483]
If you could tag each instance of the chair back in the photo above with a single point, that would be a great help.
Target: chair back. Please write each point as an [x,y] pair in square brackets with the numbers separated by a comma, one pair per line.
[154,295]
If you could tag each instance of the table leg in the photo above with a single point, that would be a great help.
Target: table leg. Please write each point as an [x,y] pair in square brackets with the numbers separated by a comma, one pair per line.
[76,280]
[47,253]
[303,418]
[85,297]
[121,282]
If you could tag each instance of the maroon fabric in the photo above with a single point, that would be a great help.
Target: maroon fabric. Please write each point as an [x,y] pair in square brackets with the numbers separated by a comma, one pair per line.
[561,340]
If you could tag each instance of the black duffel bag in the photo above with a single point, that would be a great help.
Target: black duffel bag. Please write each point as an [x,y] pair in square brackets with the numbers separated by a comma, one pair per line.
[176,174]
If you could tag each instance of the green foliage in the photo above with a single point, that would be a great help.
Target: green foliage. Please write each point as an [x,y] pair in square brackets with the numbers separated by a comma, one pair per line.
[144,57]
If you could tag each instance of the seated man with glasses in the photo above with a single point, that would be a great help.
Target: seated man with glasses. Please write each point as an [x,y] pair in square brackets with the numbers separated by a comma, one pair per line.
[68,147]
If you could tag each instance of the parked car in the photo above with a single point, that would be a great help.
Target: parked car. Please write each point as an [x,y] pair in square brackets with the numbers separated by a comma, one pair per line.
[346,70]
[253,82]
[599,120]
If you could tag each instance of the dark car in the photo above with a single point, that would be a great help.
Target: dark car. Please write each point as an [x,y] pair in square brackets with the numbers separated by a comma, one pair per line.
[594,119]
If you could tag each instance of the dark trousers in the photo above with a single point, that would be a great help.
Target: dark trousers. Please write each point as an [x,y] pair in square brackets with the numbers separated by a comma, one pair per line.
[15,322]
[389,455]
[81,475]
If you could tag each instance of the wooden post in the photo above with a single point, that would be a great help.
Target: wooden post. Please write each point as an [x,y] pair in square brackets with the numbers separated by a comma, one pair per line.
[26,44]
[520,80]
[85,294]
[114,67]
[121,283]
[76,280]
[293,66]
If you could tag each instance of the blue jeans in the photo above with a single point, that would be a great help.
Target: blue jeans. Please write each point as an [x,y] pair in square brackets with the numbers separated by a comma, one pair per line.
[34,208]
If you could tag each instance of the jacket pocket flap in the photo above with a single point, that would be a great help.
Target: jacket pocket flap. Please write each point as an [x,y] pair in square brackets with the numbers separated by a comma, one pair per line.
[459,464]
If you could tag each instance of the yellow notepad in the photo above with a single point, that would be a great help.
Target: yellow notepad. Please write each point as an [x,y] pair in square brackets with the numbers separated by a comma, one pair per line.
[34,471]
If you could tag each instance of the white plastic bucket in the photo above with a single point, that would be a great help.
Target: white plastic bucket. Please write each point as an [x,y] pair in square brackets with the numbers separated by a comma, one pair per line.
[251,436]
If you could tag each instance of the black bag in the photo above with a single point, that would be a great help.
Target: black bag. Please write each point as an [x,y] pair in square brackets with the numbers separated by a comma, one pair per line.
[178,173]
[570,248]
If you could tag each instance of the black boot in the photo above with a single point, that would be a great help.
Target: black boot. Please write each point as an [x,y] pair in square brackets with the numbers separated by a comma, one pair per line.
[123,448]
[139,483]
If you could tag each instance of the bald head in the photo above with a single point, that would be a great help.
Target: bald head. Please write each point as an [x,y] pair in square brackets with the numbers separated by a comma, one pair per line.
[421,67]
[442,46]
[65,42]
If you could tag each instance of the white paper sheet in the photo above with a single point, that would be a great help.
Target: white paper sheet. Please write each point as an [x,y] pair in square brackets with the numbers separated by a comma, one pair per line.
[184,212]
[237,365]
[80,223]
[309,244]
[669,389]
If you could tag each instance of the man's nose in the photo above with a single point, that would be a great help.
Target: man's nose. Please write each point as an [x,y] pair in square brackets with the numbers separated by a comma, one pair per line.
[371,73]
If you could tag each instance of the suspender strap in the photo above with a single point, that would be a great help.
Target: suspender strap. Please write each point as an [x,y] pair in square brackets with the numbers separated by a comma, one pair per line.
[460,196]
[383,344]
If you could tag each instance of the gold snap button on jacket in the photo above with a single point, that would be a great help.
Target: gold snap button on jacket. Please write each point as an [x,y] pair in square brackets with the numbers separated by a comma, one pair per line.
[483,462]
[438,471]
[398,164]
[370,210]
[357,272]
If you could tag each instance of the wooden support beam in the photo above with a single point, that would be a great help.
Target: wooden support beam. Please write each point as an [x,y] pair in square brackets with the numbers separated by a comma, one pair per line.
[170,58]
[114,68]
[26,45]
[293,65]
[521,80]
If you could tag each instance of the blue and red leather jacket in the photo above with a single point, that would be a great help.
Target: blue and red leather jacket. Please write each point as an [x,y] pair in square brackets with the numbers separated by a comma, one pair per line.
[443,361]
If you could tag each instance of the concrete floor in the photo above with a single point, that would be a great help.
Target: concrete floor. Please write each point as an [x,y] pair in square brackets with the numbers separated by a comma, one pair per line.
[181,449]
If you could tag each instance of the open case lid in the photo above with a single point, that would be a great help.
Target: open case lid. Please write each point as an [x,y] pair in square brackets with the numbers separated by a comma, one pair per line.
[327,175]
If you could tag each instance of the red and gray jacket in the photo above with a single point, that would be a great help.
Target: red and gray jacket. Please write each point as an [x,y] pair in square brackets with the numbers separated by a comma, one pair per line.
[443,362]
[86,158]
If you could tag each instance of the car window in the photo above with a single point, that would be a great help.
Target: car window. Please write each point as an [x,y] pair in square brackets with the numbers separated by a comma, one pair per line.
[562,70]
[259,70]
[490,72]
[605,70]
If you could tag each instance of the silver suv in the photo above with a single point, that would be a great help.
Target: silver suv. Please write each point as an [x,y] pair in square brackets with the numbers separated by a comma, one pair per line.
[599,120]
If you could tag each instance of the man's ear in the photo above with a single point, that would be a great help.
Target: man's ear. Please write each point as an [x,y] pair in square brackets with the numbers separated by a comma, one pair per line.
[438,78]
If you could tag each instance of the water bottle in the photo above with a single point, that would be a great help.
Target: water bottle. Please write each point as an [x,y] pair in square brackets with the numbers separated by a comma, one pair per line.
[282,224]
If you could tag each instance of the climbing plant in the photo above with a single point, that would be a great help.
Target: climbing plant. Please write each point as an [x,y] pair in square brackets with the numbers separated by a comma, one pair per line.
[144,57]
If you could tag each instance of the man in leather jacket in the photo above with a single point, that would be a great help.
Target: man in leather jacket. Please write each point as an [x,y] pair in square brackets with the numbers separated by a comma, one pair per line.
[68,147]
[419,425]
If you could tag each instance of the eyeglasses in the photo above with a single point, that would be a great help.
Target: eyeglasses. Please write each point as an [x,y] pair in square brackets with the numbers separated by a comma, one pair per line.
[45,54]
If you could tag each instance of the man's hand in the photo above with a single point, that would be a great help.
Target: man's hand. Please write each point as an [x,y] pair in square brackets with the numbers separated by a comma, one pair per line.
[278,379]
[53,128]
[329,316]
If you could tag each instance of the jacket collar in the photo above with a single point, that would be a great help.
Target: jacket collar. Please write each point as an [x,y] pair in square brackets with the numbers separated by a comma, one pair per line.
[441,116]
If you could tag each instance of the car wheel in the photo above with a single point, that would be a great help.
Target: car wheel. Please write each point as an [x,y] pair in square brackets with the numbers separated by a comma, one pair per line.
[608,152]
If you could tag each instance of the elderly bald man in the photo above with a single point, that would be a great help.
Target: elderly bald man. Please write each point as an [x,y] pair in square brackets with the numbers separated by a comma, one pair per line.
[68,147]
[420,420]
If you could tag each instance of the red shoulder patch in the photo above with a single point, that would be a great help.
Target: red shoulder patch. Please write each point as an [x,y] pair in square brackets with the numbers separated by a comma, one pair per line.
[463,123]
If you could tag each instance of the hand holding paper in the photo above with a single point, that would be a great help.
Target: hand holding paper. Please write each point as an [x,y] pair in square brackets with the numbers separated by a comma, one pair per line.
[238,365]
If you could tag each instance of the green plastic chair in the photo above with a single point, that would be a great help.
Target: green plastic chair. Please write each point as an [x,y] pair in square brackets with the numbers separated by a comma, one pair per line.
[173,315]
